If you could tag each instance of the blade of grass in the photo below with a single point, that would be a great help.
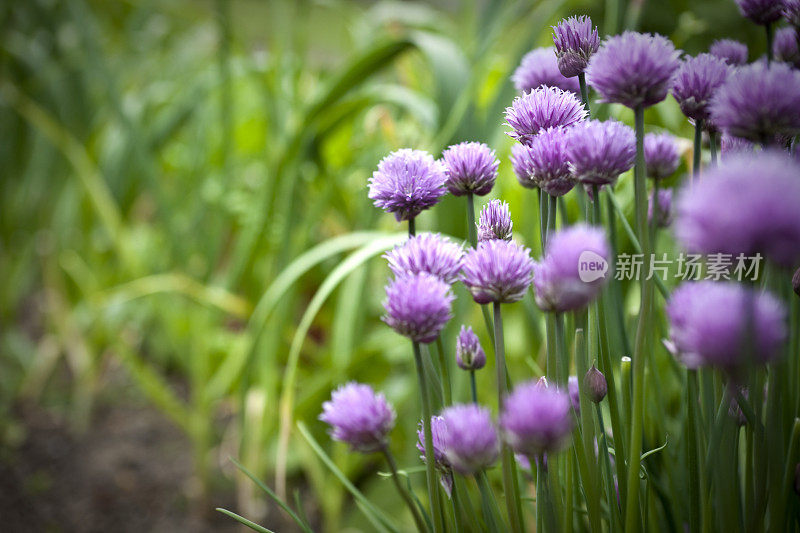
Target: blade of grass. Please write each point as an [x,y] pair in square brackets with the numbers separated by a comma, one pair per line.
[245,521]
[372,512]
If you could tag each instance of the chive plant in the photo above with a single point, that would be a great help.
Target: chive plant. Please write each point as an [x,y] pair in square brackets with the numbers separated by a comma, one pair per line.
[569,459]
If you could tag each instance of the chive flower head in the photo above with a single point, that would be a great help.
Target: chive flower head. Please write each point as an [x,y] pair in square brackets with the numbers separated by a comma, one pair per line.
[495,221]
[661,155]
[359,417]
[539,67]
[418,306]
[633,69]
[427,252]
[470,167]
[576,39]
[598,152]
[406,183]
[497,271]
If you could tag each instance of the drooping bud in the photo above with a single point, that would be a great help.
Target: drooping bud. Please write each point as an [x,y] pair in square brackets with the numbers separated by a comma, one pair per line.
[595,383]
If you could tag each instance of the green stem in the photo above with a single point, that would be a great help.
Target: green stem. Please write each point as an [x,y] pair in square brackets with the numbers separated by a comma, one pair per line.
[421,526]
[412,227]
[586,464]
[473,387]
[632,517]
[544,503]
[551,214]
[698,142]
[691,451]
[472,232]
[769,33]
[509,466]
[611,494]
[584,94]
[491,514]
[430,465]
[562,360]
[713,138]
[445,369]
[785,489]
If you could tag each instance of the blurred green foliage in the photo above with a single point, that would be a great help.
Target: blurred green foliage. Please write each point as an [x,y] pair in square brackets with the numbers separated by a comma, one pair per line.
[166,162]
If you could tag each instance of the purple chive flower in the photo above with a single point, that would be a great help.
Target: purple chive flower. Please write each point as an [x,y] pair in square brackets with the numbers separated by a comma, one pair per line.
[791,12]
[469,354]
[633,69]
[471,168]
[497,271]
[427,252]
[598,152]
[661,155]
[539,67]
[418,306]
[695,83]
[761,11]
[664,208]
[785,47]
[747,204]
[536,420]
[439,434]
[573,269]
[472,442]
[758,102]
[542,108]
[733,52]
[576,40]
[546,164]
[709,323]
[730,145]
[495,222]
[358,417]
[406,183]
[574,393]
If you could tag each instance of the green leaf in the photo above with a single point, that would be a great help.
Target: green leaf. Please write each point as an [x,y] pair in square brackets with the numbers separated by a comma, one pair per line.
[245,521]
[374,514]
[303,525]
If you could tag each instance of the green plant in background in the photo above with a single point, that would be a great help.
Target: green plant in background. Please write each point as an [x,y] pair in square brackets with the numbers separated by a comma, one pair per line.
[183,193]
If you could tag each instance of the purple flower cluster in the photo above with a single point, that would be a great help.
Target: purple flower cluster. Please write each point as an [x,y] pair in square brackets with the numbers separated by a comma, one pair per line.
[733,52]
[539,68]
[497,271]
[536,419]
[598,152]
[358,417]
[545,162]
[472,442]
[495,222]
[558,282]
[576,40]
[695,83]
[759,102]
[542,108]
[761,11]
[469,354]
[427,252]
[633,69]
[748,205]
[661,155]
[709,322]
[418,306]
[730,145]
[406,183]
[470,167]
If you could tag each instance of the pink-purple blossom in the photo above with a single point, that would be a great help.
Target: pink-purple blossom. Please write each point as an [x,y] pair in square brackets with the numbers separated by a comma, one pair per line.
[359,417]
[497,271]
[539,67]
[418,306]
[406,183]
[470,167]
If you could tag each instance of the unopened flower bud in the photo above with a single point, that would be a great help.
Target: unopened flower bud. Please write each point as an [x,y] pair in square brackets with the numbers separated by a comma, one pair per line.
[595,383]
[469,354]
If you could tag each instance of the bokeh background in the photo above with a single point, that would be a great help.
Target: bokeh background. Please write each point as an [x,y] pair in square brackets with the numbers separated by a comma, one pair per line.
[188,257]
